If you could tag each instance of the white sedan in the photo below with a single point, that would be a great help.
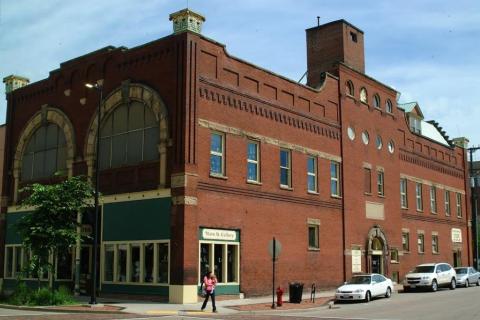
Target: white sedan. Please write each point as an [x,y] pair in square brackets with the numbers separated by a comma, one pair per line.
[365,287]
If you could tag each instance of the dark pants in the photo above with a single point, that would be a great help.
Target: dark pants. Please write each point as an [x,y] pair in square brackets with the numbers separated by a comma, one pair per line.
[210,294]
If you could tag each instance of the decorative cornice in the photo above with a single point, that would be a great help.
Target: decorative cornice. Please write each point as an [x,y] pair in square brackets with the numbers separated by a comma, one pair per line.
[430,183]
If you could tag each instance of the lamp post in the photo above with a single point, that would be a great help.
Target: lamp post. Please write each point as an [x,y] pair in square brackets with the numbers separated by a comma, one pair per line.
[474,207]
[93,297]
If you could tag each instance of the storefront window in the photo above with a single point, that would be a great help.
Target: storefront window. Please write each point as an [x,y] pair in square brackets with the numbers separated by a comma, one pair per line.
[148,262]
[163,263]
[122,263]
[232,263]
[9,258]
[204,260]
[135,263]
[109,261]
[222,258]
[18,260]
[64,265]
[218,267]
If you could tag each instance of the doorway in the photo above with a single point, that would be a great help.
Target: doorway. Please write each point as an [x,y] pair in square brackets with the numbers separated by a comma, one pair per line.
[457,258]
[377,264]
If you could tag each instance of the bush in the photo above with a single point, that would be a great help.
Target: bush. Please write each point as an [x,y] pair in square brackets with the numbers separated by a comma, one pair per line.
[40,297]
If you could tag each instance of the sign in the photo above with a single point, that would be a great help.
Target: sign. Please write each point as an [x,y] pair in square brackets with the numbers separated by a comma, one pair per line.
[356,261]
[278,248]
[456,235]
[219,234]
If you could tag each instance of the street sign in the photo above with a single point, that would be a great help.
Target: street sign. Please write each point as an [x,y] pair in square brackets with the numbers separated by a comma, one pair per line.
[278,248]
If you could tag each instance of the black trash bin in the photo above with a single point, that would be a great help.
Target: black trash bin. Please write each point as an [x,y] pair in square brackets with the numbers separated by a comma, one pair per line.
[295,291]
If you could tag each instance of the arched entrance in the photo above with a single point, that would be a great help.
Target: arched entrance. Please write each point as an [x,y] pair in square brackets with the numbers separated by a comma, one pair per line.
[377,251]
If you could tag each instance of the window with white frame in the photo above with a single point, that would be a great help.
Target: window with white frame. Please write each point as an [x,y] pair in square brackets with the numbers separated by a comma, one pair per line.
[380,183]
[376,101]
[253,161]
[433,199]
[363,95]
[285,168]
[217,154]
[335,179]
[419,196]
[145,262]
[313,236]
[447,203]
[406,241]
[415,124]
[222,258]
[421,243]
[435,243]
[459,205]
[403,193]
[389,106]
[312,174]
[394,255]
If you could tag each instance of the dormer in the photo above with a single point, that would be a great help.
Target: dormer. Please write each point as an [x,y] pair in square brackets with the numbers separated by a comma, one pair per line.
[414,114]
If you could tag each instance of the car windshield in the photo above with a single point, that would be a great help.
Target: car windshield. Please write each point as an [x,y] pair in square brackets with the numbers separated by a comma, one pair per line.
[461,270]
[424,269]
[360,280]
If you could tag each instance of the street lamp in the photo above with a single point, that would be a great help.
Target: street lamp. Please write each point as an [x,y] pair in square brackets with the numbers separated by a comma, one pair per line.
[474,207]
[93,298]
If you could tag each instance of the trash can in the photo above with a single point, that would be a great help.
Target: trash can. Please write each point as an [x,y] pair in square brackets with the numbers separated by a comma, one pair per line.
[295,291]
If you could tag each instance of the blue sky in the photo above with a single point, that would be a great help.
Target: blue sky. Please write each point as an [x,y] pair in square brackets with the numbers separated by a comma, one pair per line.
[427,50]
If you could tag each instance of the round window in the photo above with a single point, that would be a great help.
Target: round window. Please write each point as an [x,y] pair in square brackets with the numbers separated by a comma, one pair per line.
[365,137]
[391,146]
[378,142]
[351,133]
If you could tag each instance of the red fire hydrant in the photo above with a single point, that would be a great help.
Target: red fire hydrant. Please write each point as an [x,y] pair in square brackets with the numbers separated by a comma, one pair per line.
[279,297]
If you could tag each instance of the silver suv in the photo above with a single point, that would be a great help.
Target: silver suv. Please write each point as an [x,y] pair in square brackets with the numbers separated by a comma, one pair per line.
[432,276]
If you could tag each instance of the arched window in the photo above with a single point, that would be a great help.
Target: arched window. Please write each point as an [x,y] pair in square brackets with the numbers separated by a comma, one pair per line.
[128,135]
[376,101]
[363,95]
[349,88]
[45,153]
[389,106]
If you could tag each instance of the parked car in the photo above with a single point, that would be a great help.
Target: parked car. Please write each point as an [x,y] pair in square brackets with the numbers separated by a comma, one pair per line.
[365,287]
[467,276]
[432,276]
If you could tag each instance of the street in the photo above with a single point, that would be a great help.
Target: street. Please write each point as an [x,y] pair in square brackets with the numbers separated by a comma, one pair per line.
[459,304]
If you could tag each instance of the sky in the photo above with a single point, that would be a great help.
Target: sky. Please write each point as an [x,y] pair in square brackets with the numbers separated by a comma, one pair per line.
[427,50]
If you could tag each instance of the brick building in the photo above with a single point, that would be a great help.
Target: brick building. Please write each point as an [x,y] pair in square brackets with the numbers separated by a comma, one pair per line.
[205,157]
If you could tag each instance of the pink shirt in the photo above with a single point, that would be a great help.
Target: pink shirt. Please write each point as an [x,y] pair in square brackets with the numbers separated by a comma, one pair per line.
[209,283]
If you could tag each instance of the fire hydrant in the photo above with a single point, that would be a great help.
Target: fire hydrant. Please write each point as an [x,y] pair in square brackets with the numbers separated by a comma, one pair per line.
[279,297]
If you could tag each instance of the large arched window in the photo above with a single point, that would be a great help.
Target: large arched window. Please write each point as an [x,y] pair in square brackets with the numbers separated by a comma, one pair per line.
[45,153]
[128,135]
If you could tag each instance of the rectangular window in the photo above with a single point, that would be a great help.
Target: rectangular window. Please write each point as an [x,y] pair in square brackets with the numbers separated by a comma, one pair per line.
[312,174]
[335,179]
[459,205]
[433,199]
[313,236]
[418,195]
[221,258]
[394,255]
[434,243]
[9,262]
[367,180]
[421,243]
[217,154]
[415,124]
[380,183]
[135,266]
[109,262]
[149,257]
[163,261]
[285,168]
[403,193]
[253,161]
[122,262]
[65,265]
[405,241]
[447,203]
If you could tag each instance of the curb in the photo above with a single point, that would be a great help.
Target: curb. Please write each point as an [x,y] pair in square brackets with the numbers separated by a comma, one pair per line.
[50,309]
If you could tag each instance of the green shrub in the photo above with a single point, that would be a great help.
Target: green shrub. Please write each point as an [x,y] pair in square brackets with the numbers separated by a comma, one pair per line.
[40,297]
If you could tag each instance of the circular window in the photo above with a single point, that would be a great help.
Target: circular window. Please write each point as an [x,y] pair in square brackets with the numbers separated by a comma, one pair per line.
[391,146]
[378,142]
[351,133]
[365,137]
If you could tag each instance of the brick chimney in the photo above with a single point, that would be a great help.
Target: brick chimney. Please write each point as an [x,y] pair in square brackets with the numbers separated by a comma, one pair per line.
[330,43]
[187,20]
[13,82]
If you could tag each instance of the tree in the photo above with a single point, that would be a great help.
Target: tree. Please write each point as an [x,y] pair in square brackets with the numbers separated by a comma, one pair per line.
[52,225]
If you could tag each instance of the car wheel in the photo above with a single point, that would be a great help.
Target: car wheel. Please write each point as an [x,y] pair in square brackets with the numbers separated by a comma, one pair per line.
[453,284]
[388,294]
[467,284]
[434,286]
[368,297]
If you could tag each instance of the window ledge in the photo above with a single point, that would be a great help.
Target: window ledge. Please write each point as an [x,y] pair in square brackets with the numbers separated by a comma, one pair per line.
[218,176]
[404,208]
[257,183]
[381,196]
[422,253]
[367,193]
[434,212]
[406,252]
[283,187]
[394,262]
[335,196]
[436,253]
[419,211]
[313,249]
[313,192]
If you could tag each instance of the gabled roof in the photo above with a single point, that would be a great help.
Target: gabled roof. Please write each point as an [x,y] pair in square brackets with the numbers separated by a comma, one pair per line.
[410,107]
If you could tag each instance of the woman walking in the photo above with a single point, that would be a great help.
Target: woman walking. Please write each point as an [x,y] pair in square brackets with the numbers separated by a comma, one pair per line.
[209,282]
